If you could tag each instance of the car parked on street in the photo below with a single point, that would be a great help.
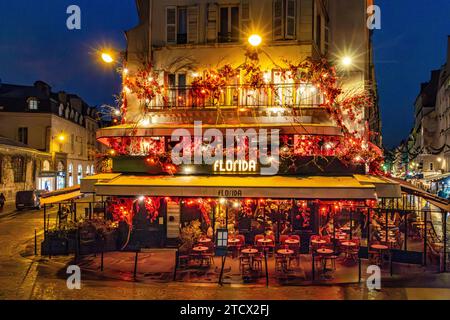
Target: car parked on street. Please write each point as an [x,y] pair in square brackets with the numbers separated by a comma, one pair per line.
[28,199]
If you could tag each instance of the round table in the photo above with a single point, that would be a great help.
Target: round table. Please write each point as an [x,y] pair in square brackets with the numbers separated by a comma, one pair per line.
[318,241]
[265,242]
[324,251]
[348,244]
[379,247]
[345,229]
[292,241]
[200,249]
[285,252]
[249,251]
[204,240]
[233,241]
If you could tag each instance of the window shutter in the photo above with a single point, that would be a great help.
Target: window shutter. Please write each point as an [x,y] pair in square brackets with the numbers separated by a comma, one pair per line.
[171,25]
[290,19]
[245,17]
[278,19]
[193,24]
[212,23]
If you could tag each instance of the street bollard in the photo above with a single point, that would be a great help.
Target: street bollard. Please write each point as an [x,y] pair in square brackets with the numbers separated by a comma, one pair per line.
[35,242]
[135,265]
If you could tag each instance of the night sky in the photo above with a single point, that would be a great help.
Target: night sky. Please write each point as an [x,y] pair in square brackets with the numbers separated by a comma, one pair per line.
[35,44]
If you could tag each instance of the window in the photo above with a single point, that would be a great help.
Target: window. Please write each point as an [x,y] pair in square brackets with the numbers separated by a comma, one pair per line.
[92,170]
[46,165]
[177,89]
[19,169]
[284,19]
[229,24]
[70,171]
[1,170]
[431,166]
[80,173]
[23,135]
[33,104]
[88,171]
[182,25]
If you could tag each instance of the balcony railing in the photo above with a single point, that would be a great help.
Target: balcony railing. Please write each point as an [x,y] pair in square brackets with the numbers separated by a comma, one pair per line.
[279,95]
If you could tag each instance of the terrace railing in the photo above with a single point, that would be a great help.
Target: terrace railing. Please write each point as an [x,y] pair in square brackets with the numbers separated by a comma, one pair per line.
[269,95]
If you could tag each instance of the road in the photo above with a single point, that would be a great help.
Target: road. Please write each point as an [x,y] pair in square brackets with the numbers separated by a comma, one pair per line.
[25,276]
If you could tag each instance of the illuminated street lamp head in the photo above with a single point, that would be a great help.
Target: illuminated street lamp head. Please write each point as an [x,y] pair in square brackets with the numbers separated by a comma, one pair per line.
[255,40]
[106,57]
[61,137]
[347,61]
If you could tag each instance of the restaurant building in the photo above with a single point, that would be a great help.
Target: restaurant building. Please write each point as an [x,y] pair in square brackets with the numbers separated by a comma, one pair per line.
[276,75]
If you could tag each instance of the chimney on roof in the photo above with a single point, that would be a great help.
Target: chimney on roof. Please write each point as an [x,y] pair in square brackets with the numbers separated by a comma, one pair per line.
[44,87]
[62,97]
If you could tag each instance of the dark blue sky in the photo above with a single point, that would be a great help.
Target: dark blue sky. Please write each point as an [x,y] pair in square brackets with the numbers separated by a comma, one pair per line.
[35,44]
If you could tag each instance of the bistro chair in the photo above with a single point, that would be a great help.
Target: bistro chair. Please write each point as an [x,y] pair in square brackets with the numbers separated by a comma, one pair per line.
[244,263]
[283,238]
[258,237]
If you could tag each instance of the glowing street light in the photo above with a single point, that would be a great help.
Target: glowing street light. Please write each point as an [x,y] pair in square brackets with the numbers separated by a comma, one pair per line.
[61,137]
[106,57]
[255,40]
[347,61]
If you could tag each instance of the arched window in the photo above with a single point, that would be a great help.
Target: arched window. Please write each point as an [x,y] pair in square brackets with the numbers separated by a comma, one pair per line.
[92,170]
[70,171]
[88,170]
[46,165]
[80,173]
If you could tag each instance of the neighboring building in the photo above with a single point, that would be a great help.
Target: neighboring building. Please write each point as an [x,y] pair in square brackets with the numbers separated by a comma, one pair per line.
[57,123]
[428,145]
[20,167]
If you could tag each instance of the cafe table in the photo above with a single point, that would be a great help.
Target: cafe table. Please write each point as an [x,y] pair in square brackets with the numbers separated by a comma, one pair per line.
[200,249]
[250,252]
[291,242]
[265,242]
[324,252]
[380,247]
[318,241]
[204,240]
[233,241]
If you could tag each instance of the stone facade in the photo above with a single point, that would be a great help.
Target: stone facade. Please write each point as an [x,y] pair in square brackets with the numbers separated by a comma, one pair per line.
[19,167]
[58,123]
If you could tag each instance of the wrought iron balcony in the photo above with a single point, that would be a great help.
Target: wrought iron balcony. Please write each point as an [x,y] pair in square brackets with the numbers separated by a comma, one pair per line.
[269,95]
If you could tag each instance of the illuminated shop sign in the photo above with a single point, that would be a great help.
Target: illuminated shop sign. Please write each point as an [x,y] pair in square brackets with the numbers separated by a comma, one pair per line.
[237,166]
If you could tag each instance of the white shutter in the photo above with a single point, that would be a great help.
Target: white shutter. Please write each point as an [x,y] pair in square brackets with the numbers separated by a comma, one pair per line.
[278,19]
[192,27]
[290,19]
[171,25]
[245,18]
[212,23]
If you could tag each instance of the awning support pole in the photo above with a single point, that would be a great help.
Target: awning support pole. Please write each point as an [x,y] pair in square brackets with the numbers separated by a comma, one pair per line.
[444,213]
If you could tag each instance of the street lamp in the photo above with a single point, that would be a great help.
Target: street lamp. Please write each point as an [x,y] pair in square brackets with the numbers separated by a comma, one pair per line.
[347,61]
[107,57]
[255,40]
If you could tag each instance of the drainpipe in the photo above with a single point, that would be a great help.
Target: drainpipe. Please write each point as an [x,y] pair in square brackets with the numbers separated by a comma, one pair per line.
[150,37]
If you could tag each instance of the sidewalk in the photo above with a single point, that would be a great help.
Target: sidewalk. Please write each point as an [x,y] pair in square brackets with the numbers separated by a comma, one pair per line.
[9,208]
